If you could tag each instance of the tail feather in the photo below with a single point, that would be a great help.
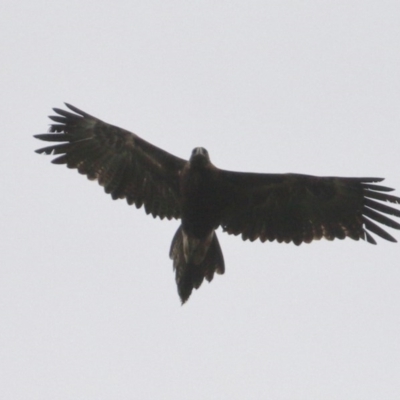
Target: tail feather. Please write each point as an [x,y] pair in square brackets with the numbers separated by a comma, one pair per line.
[189,275]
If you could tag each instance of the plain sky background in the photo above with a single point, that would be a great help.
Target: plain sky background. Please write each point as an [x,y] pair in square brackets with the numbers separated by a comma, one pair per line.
[88,302]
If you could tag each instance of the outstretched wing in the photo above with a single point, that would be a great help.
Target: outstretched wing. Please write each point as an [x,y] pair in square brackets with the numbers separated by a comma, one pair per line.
[301,208]
[126,165]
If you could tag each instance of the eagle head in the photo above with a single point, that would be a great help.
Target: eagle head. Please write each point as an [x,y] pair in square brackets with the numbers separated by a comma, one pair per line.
[199,156]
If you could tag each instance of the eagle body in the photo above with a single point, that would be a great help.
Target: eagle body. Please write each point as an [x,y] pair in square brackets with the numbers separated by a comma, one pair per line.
[290,208]
[195,248]
[200,195]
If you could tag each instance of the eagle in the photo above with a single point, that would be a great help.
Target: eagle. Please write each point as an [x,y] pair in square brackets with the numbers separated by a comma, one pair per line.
[283,207]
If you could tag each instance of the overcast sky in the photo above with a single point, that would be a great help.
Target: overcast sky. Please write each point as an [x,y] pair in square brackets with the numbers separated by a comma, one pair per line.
[88,302]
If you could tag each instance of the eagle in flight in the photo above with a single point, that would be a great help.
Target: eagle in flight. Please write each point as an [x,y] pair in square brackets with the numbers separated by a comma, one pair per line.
[284,207]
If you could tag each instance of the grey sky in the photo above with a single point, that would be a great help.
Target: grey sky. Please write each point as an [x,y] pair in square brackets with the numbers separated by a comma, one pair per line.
[88,302]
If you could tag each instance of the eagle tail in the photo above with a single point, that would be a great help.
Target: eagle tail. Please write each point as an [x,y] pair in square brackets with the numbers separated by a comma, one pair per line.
[188,274]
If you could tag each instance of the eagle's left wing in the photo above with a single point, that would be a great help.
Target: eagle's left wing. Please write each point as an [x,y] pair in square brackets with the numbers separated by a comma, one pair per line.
[125,164]
[301,208]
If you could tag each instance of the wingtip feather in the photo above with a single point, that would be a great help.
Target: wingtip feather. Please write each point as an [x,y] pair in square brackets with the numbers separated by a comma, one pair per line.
[78,111]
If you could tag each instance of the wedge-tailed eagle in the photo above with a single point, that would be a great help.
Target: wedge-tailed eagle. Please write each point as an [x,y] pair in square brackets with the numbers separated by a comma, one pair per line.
[284,207]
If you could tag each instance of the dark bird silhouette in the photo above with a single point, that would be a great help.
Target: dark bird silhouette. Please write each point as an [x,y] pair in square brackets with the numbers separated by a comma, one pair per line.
[284,207]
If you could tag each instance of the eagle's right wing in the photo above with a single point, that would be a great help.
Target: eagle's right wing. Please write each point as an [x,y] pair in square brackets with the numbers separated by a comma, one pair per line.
[126,165]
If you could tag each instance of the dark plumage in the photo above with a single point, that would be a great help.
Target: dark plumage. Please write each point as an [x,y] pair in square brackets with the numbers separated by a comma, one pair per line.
[283,207]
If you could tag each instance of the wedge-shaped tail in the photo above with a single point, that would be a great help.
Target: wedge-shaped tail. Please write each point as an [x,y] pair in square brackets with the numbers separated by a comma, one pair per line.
[188,274]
